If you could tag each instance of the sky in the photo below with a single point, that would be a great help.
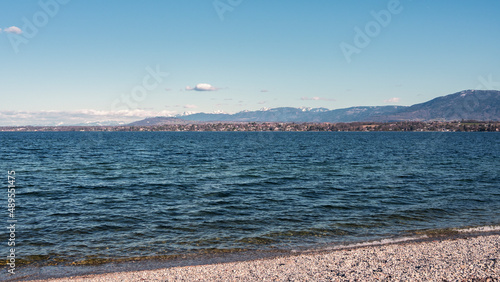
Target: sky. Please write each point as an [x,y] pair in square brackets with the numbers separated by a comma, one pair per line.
[72,61]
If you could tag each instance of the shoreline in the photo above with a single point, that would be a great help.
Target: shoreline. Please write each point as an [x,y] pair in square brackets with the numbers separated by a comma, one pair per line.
[467,255]
[274,126]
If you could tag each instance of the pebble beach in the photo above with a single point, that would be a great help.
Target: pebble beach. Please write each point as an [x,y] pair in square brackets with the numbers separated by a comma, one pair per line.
[452,259]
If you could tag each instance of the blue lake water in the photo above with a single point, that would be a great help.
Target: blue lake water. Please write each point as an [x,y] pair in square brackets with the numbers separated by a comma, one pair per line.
[84,195]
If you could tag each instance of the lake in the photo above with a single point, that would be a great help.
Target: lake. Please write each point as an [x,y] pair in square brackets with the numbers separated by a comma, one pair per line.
[111,195]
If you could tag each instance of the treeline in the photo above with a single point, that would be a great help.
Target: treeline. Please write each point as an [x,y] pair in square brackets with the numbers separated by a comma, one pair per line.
[354,126]
[457,126]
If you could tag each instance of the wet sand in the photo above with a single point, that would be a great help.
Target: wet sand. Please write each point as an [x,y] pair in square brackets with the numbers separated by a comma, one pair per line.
[453,259]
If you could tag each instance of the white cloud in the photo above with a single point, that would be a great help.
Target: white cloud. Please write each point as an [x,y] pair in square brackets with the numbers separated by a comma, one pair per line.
[190,106]
[50,118]
[13,29]
[219,112]
[392,100]
[202,87]
[317,99]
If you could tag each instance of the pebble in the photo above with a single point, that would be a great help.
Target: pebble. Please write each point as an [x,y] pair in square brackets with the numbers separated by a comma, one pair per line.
[470,259]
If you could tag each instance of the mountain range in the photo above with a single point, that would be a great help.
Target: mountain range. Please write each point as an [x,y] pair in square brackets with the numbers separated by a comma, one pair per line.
[481,105]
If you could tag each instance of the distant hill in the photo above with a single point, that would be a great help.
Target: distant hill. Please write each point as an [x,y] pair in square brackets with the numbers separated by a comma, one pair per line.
[358,113]
[481,105]
[288,114]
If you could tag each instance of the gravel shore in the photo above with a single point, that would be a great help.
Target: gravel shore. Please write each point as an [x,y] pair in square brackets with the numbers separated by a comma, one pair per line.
[465,259]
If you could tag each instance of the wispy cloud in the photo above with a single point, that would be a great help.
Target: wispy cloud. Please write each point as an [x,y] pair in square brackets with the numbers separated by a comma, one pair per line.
[46,118]
[12,29]
[261,102]
[264,90]
[316,99]
[202,87]
[392,100]
[190,106]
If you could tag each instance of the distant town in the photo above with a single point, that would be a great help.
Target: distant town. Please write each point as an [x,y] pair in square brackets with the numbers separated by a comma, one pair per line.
[456,126]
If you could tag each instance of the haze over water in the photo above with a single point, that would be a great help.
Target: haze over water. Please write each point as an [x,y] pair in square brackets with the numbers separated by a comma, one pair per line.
[88,195]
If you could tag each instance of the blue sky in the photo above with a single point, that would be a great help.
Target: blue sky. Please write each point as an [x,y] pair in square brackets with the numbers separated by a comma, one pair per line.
[77,60]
